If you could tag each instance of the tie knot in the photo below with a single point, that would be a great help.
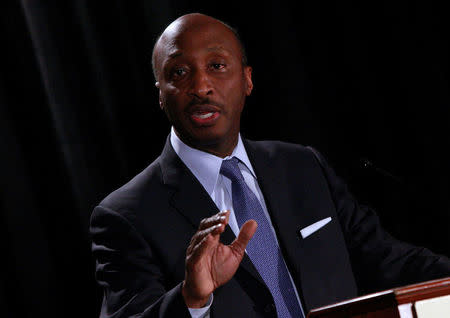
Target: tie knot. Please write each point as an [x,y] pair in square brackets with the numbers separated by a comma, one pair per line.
[230,169]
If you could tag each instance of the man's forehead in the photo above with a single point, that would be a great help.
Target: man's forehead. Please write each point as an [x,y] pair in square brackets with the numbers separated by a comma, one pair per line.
[187,31]
[176,41]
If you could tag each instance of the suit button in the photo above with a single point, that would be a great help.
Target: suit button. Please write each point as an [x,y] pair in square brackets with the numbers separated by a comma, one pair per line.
[269,308]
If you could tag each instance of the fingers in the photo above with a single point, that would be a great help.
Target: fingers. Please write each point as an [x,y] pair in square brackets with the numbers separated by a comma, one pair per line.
[245,234]
[213,225]
[221,217]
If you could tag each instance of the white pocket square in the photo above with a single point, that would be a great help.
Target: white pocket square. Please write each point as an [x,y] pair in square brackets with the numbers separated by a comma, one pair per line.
[310,229]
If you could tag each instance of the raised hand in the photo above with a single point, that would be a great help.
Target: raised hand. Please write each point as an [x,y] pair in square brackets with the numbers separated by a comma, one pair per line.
[209,263]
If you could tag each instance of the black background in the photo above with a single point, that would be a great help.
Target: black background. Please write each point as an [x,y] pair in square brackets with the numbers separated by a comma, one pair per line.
[79,117]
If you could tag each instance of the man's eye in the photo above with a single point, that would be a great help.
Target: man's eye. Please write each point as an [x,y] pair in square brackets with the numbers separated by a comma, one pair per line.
[218,66]
[178,72]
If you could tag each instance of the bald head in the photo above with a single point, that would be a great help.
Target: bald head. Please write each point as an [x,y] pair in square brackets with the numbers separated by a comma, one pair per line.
[190,22]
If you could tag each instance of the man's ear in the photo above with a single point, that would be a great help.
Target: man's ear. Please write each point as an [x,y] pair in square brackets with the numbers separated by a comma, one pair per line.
[160,100]
[248,80]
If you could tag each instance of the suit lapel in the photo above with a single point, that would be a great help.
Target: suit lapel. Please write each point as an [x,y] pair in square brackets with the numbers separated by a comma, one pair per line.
[192,201]
[188,196]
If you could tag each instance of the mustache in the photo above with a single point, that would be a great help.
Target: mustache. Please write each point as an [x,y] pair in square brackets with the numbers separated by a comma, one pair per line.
[203,101]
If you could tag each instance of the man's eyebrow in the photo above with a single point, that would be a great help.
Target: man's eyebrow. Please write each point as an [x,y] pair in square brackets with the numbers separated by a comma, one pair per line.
[217,48]
[175,54]
[178,53]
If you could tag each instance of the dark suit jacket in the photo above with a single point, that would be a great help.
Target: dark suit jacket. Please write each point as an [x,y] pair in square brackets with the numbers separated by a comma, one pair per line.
[141,231]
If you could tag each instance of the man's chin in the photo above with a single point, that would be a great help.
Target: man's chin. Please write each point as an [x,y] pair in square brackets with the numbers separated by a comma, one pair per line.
[207,135]
[205,140]
[209,140]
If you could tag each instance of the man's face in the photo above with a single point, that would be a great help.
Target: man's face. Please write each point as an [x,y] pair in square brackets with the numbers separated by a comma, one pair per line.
[203,84]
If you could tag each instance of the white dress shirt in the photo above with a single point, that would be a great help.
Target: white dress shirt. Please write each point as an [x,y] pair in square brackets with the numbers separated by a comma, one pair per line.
[206,168]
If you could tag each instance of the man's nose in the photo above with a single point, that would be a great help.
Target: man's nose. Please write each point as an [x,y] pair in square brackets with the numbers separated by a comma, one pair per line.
[201,85]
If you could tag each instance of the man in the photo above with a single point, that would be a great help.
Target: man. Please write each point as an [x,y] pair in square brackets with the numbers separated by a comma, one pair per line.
[162,247]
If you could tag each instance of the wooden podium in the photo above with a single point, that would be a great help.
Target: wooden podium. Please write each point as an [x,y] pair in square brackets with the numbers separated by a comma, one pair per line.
[428,299]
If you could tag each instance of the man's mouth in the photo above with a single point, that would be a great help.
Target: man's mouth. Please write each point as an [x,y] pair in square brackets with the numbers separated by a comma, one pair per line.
[203,115]
[204,118]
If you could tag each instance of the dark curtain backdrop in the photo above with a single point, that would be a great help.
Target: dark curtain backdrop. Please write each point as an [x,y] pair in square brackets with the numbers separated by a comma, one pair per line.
[79,117]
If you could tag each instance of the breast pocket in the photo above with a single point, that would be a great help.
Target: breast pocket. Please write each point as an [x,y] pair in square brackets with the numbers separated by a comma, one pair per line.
[310,229]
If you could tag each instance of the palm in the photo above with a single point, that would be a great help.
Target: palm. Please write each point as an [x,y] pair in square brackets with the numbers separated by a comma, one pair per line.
[209,263]
[223,263]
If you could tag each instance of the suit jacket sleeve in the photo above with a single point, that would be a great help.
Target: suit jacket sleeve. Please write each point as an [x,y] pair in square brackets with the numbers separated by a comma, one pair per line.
[129,272]
[379,261]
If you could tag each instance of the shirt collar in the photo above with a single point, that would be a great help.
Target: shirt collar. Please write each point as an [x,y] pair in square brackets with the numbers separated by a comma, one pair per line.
[205,166]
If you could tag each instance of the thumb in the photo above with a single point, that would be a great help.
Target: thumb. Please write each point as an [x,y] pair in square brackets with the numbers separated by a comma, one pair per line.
[245,234]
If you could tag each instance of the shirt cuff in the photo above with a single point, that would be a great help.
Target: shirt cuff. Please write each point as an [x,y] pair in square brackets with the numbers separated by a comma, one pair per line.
[202,312]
